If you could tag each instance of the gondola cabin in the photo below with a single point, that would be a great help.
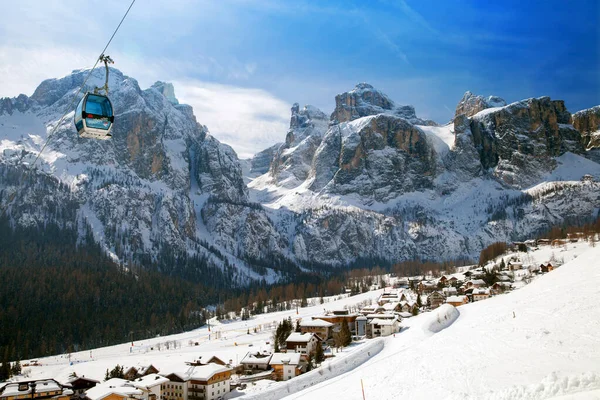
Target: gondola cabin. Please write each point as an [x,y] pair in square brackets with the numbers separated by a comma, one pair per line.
[94,117]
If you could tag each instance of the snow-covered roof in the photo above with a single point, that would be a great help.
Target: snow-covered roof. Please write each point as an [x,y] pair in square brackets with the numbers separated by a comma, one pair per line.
[43,385]
[114,385]
[288,358]
[382,316]
[316,323]
[298,337]
[477,281]
[256,358]
[387,322]
[455,299]
[481,291]
[205,372]
[148,381]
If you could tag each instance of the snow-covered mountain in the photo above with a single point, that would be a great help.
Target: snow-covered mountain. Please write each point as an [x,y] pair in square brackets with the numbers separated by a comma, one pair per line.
[372,181]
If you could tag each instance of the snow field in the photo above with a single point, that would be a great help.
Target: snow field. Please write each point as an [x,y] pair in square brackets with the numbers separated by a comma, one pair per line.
[537,342]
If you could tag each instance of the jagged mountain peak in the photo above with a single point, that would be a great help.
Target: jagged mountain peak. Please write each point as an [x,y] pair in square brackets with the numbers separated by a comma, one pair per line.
[365,100]
[471,104]
[167,90]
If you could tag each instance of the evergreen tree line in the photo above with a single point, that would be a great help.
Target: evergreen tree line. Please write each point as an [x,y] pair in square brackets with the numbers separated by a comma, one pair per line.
[57,297]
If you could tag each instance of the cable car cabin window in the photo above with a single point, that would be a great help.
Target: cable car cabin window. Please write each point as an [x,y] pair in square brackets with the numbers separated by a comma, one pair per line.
[98,112]
[78,116]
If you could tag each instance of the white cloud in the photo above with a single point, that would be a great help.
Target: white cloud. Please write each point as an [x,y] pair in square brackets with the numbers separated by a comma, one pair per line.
[249,120]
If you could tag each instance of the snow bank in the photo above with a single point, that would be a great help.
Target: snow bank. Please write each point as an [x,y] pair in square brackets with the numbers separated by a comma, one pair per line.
[441,318]
[552,386]
[337,366]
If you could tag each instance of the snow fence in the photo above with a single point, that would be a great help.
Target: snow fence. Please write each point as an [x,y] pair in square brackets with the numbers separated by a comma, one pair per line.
[335,367]
[441,318]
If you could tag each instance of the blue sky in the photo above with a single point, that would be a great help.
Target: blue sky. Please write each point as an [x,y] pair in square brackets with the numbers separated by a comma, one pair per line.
[242,63]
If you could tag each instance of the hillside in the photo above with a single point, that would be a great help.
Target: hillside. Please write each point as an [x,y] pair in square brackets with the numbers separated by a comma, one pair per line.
[537,342]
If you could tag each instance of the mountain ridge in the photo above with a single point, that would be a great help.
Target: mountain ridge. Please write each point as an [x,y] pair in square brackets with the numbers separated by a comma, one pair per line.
[371,181]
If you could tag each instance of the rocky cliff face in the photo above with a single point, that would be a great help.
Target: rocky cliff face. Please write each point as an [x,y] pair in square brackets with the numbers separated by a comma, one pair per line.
[365,100]
[154,187]
[471,104]
[292,160]
[588,123]
[373,181]
[520,141]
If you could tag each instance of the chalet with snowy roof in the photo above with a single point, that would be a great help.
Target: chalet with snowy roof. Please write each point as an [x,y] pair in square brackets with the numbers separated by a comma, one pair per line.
[139,371]
[151,386]
[204,382]
[80,384]
[388,296]
[115,389]
[303,343]
[435,299]
[392,307]
[475,283]
[543,242]
[499,287]
[427,287]
[383,326]
[40,389]
[256,362]
[285,366]
[449,291]
[457,300]
[318,326]
[514,265]
[480,294]
[338,317]
[443,280]
[372,309]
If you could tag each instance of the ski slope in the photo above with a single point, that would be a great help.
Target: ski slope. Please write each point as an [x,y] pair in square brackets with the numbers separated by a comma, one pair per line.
[538,342]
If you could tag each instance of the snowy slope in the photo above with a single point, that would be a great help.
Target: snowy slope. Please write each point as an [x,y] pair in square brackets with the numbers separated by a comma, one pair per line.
[538,342]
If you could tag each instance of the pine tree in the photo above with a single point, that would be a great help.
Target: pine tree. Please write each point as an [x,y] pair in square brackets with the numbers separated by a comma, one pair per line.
[346,336]
[319,354]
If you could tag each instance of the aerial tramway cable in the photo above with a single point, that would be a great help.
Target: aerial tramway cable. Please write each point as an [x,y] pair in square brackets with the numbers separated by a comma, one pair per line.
[102,57]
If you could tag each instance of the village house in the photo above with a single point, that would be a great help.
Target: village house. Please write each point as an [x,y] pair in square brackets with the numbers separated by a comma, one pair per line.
[209,359]
[383,327]
[475,283]
[285,366]
[209,382]
[514,265]
[176,387]
[426,287]
[480,294]
[255,362]
[388,296]
[151,386]
[449,291]
[392,307]
[303,343]
[361,325]
[204,382]
[543,242]
[39,389]
[317,326]
[137,372]
[79,385]
[443,280]
[499,287]
[435,299]
[338,317]
[457,300]
[115,389]
[372,309]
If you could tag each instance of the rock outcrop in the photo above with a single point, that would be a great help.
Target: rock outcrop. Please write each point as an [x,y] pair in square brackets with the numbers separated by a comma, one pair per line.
[292,161]
[588,123]
[471,104]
